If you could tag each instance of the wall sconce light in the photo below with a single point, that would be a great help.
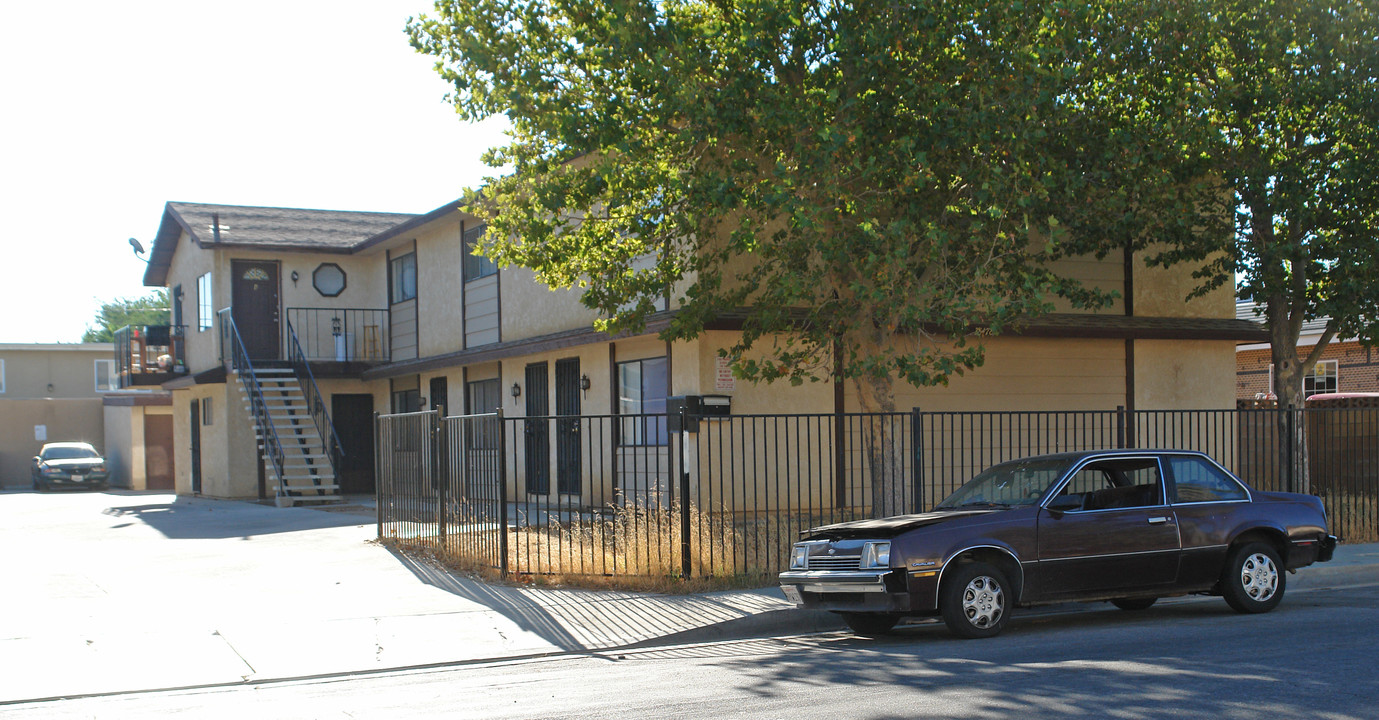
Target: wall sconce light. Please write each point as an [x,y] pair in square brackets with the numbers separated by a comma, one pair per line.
[294,278]
[584,383]
[516,390]
[335,326]
[50,387]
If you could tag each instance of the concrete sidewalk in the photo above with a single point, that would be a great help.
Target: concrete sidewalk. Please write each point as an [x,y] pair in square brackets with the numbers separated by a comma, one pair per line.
[124,592]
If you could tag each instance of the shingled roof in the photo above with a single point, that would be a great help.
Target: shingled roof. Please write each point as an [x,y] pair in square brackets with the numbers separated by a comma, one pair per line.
[262,228]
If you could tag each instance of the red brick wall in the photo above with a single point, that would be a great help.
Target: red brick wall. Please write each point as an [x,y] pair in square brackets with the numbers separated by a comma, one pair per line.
[1357,369]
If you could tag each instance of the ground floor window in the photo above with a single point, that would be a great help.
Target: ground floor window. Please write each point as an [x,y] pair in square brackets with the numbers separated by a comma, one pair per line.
[1324,378]
[485,396]
[642,386]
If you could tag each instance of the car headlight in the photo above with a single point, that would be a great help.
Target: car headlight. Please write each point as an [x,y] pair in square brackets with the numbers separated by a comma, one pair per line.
[98,468]
[50,470]
[799,557]
[876,555]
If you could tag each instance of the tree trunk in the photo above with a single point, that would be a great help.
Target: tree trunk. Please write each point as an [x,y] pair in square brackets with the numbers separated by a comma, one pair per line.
[879,427]
[1289,369]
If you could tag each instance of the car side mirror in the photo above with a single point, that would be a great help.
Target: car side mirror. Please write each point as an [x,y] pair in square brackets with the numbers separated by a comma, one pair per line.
[1065,503]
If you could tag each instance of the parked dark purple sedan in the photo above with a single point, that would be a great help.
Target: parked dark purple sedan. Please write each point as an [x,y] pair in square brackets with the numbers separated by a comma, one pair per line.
[1128,526]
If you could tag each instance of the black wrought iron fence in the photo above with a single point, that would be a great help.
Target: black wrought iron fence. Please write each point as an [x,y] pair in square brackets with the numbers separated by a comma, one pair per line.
[726,496]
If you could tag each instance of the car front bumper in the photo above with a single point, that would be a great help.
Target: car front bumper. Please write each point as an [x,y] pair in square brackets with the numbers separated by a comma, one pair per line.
[86,480]
[852,591]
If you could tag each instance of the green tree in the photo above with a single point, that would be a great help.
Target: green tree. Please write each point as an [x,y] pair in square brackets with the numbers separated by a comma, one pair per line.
[151,309]
[869,185]
[1291,91]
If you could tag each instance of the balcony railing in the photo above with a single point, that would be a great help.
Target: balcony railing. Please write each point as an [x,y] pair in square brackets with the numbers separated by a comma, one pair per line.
[340,334]
[149,354]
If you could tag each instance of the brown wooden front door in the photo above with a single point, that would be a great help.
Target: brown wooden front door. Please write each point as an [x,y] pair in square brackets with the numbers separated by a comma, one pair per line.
[158,452]
[254,299]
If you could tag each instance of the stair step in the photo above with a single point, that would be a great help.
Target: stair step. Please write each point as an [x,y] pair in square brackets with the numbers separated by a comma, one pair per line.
[308,486]
[273,371]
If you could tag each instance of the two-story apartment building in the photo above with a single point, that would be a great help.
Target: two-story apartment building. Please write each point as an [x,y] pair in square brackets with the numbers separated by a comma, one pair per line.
[298,314]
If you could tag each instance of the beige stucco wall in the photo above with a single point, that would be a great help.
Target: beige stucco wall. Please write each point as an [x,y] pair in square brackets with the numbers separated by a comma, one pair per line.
[64,419]
[440,259]
[530,308]
[70,369]
[188,263]
[229,455]
[1184,374]
[1163,292]
[124,454]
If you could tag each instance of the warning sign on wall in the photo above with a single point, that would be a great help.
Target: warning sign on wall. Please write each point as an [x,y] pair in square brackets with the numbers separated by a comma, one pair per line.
[723,376]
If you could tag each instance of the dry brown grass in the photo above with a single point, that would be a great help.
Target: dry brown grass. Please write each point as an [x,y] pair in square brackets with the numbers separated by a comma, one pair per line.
[634,549]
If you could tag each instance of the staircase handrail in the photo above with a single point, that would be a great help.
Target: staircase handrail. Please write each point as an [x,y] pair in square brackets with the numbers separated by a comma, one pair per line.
[315,405]
[258,407]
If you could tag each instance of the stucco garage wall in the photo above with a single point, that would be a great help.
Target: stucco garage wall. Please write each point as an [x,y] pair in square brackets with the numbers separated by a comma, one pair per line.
[75,419]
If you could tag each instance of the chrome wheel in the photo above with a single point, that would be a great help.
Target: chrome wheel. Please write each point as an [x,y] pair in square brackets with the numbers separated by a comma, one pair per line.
[983,602]
[1252,581]
[1259,577]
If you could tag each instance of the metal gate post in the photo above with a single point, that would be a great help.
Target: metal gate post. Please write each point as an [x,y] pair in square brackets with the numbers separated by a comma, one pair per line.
[438,469]
[378,474]
[1120,427]
[917,448]
[1289,454]
[685,566]
[502,494]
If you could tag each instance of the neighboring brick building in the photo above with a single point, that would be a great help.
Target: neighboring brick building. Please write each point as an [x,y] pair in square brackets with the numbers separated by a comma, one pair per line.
[1345,365]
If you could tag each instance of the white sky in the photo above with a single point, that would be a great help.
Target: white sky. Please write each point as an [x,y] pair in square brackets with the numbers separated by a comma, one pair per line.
[110,109]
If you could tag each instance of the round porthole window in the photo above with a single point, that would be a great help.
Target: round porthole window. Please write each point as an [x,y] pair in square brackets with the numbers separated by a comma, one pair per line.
[328,279]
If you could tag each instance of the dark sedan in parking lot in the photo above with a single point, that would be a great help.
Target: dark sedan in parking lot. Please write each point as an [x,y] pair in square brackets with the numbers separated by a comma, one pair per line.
[1126,526]
[69,465]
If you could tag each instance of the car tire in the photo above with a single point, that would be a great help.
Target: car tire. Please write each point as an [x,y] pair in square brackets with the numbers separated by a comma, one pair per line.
[870,624]
[1254,580]
[1139,603]
[975,601]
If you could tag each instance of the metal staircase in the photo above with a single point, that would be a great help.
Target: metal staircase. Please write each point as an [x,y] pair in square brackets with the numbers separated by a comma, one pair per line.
[295,436]
[306,473]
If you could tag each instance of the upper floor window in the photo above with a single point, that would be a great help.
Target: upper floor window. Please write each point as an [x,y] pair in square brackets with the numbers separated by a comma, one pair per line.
[403,272]
[2,375]
[205,312]
[476,266]
[105,376]
[642,386]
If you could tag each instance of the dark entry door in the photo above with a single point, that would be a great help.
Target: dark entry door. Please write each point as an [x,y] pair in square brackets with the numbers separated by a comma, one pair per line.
[353,418]
[158,467]
[567,454]
[537,431]
[254,297]
[440,395]
[196,446]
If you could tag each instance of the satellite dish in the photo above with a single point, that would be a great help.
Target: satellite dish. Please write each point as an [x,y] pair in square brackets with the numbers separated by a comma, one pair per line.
[138,246]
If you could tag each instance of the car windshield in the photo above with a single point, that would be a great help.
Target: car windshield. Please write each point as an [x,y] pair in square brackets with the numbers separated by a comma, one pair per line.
[68,453]
[1021,482]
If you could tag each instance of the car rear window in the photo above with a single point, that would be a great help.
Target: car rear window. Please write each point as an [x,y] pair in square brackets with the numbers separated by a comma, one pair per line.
[1197,480]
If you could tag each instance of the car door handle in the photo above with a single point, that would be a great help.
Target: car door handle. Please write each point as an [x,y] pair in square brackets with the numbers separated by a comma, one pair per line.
[1158,520]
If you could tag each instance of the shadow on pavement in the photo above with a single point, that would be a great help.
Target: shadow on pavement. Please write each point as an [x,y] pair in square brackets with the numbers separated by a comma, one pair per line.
[584,620]
[188,518]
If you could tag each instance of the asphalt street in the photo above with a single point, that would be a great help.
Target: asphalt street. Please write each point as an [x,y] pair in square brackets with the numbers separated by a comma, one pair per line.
[1311,658]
